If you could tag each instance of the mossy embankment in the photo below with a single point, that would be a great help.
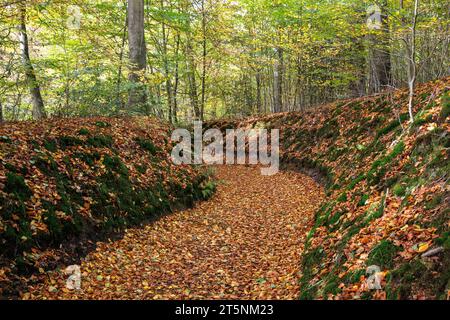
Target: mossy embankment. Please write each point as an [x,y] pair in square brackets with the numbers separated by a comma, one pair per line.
[72,179]
[387,185]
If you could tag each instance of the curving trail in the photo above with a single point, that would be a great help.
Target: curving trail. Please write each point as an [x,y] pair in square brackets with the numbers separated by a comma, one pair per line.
[244,243]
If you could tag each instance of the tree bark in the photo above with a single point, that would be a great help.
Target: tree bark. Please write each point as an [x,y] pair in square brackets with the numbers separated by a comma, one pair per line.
[119,72]
[138,52]
[175,87]
[278,82]
[381,57]
[258,92]
[191,80]
[203,96]
[1,113]
[166,68]
[35,90]
[412,62]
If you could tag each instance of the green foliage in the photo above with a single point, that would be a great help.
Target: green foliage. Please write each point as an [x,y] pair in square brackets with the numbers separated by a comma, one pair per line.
[16,184]
[392,125]
[445,112]
[100,141]
[69,141]
[146,144]
[399,189]
[383,255]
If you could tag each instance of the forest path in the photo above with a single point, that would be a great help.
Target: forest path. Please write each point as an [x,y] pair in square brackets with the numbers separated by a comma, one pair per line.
[244,243]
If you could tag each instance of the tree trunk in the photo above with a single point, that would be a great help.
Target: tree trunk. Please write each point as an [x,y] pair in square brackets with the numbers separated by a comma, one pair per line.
[278,82]
[35,90]
[203,97]
[138,52]
[175,87]
[192,81]
[258,92]
[1,112]
[166,69]
[381,57]
[119,73]
[412,62]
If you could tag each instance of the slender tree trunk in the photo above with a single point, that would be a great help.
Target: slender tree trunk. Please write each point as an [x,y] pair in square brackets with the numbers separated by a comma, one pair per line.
[1,112]
[166,68]
[35,90]
[381,57]
[258,92]
[119,73]
[278,82]
[175,87]
[138,52]
[412,62]
[203,97]
[191,80]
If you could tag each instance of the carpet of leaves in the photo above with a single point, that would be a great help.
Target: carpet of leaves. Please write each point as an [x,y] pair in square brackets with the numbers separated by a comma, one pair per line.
[388,192]
[64,180]
[245,242]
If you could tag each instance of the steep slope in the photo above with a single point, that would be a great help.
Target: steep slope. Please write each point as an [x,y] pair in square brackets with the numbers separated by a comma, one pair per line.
[67,180]
[388,193]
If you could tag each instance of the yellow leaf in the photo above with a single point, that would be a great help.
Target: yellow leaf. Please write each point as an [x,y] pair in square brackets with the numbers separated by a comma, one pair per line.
[423,247]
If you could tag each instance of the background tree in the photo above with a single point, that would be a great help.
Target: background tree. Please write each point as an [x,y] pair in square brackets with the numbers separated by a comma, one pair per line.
[138,52]
[31,79]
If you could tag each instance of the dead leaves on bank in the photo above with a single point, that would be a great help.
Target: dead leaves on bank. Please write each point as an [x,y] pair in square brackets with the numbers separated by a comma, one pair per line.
[245,242]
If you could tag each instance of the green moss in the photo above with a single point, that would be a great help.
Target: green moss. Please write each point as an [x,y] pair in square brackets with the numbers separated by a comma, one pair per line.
[141,168]
[444,240]
[83,132]
[383,255]
[378,168]
[51,145]
[392,125]
[355,181]
[89,158]
[329,130]
[342,197]
[23,170]
[399,190]
[115,164]
[46,166]
[311,259]
[5,139]
[363,200]
[332,285]
[335,218]
[102,124]
[418,121]
[354,276]
[100,141]
[69,141]
[400,280]
[434,202]
[16,184]
[148,145]
[445,112]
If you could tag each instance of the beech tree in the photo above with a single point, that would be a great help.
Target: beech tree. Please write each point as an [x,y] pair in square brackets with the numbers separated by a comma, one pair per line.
[138,53]
[32,82]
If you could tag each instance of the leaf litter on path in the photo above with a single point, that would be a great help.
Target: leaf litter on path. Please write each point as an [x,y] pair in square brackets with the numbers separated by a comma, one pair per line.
[244,243]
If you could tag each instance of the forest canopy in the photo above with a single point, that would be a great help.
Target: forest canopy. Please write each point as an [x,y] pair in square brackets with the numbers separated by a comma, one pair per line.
[211,58]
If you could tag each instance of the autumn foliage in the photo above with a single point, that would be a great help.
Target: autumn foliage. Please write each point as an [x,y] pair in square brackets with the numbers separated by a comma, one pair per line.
[73,179]
[387,193]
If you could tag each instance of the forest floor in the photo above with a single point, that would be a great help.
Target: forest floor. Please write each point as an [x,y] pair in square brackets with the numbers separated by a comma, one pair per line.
[244,243]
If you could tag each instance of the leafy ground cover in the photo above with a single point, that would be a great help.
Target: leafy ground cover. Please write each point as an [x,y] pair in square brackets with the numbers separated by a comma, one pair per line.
[65,180]
[386,205]
[245,242]
[387,193]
